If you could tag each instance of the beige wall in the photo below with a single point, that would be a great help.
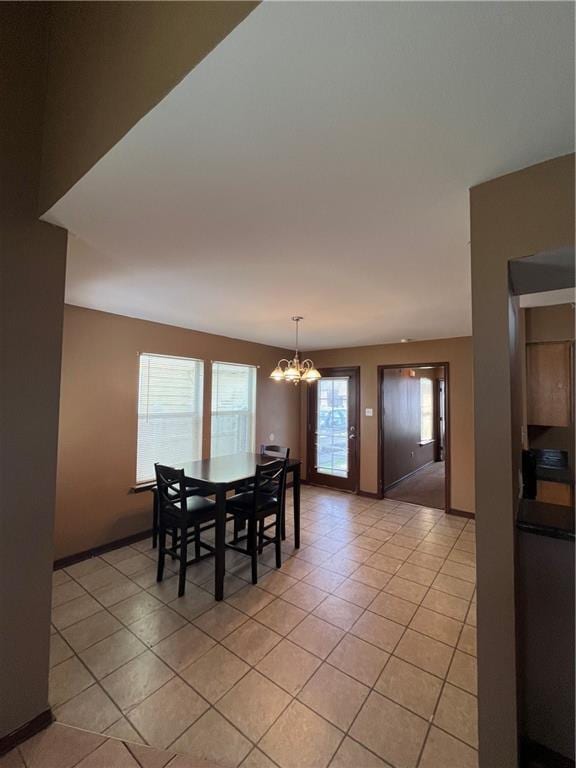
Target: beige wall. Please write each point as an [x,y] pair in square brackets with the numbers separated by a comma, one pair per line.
[458,353]
[32,260]
[110,64]
[513,216]
[96,94]
[98,417]
[555,323]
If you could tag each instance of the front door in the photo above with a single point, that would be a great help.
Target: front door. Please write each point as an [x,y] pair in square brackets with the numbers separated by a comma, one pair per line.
[333,419]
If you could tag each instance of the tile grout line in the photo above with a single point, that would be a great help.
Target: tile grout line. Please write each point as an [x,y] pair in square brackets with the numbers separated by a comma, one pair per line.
[331,553]
[372,689]
[431,722]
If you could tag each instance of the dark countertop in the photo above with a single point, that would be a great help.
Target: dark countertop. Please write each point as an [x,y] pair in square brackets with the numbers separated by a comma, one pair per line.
[553,474]
[544,519]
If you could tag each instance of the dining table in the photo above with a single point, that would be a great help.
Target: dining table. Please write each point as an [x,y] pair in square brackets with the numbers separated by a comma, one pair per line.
[221,474]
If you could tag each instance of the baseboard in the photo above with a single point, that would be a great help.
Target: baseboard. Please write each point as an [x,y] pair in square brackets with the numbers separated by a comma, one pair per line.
[461,513]
[370,494]
[26,731]
[64,562]
[327,487]
[405,477]
[534,755]
[365,494]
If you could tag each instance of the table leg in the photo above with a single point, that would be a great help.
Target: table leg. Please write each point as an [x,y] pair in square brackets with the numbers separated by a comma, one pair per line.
[296,502]
[220,544]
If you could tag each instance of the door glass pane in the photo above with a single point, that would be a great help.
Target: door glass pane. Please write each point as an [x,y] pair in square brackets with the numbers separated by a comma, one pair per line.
[332,427]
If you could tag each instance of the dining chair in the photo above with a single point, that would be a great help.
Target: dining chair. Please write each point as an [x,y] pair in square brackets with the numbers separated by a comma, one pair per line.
[253,507]
[156,507]
[268,451]
[179,511]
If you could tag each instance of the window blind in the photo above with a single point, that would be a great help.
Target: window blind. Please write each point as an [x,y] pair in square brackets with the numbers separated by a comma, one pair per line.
[426,409]
[233,408]
[169,412]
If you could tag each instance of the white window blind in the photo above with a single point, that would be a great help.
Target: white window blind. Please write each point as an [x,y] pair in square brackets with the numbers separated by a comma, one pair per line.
[169,412]
[233,408]
[426,409]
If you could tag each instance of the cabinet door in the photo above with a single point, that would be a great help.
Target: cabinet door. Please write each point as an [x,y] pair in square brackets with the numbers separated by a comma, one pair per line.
[549,383]
[554,493]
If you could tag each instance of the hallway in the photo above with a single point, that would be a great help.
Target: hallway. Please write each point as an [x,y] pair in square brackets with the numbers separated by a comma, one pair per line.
[425,487]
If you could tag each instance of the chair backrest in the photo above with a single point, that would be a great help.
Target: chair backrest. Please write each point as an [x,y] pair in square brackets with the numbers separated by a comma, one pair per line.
[275,451]
[270,480]
[171,489]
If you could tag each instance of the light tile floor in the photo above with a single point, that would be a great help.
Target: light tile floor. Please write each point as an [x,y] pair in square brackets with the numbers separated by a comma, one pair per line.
[360,652]
[62,746]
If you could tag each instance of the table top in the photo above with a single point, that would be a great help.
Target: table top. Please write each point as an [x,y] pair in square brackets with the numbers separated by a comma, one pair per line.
[228,470]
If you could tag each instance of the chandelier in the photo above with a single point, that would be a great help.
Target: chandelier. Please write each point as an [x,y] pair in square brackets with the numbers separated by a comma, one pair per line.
[294,370]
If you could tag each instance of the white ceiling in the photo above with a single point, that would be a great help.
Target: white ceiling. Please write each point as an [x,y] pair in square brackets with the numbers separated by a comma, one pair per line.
[318,162]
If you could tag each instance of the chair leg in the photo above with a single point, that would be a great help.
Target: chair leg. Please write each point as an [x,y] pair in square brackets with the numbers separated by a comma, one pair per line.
[284,515]
[196,541]
[236,531]
[174,541]
[261,537]
[278,539]
[183,561]
[253,549]
[161,553]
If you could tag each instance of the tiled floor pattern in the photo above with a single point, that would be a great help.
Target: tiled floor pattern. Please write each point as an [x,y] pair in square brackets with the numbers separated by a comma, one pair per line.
[359,652]
[62,746]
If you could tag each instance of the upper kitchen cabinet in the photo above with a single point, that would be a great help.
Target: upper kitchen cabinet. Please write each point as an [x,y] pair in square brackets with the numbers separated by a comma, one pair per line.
[549,383]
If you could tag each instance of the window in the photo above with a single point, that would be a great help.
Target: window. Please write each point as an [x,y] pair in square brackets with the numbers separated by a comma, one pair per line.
[233,408]
[332,426]
[169,412]
[426,410]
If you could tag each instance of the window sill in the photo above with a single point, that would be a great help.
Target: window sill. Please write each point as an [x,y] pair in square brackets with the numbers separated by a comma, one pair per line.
[426,442]
[141,487]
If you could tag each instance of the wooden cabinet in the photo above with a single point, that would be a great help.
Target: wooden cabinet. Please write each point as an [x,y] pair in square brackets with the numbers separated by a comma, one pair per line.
[549,383]
[554,493]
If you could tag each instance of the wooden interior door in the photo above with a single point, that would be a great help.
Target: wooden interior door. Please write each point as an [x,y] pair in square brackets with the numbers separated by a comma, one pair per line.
[333,424]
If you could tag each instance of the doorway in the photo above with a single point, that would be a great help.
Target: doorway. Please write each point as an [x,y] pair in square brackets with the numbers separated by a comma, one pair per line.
[414,451]
[333,429]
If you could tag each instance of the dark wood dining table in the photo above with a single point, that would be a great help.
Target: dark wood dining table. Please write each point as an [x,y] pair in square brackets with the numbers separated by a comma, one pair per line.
[219,475]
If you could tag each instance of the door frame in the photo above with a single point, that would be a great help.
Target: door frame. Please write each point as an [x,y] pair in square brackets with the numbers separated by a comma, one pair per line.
[447,431]
[440,444]
[343,370]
